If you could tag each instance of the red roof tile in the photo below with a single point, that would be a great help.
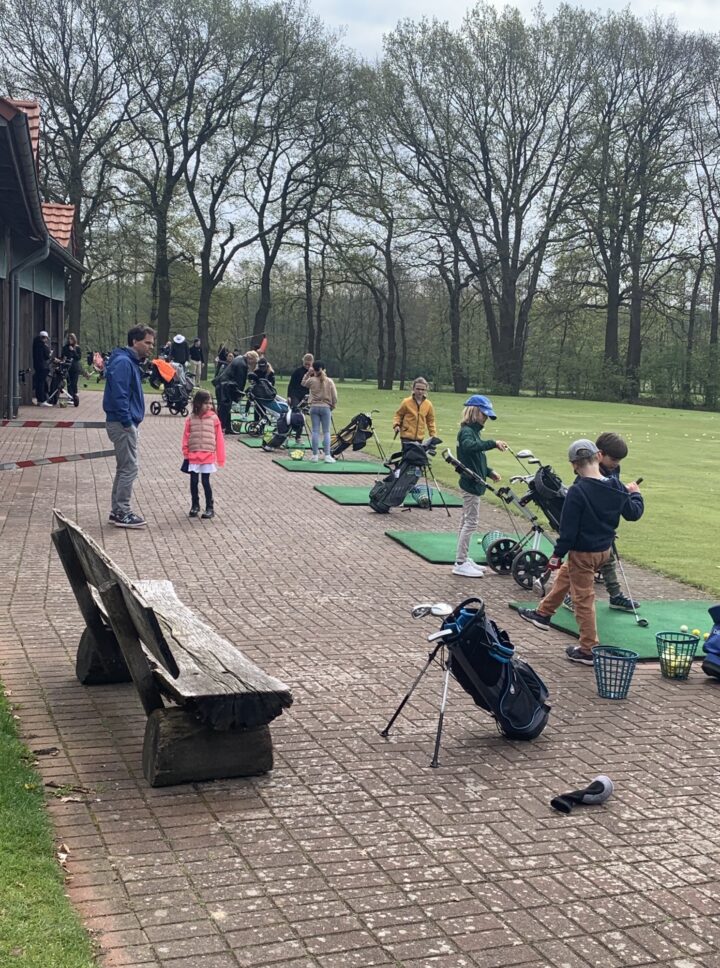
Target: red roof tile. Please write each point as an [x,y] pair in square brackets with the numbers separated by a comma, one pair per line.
[32,110]
[59,220]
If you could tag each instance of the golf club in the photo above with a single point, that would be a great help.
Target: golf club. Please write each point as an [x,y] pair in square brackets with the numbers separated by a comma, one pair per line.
[642,622]
[522,455]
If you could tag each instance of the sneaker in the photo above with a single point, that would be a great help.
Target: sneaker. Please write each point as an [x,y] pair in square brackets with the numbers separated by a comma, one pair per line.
[208,513]
[45,404]
[314,459]
[568,603]
[194,511]
[576,654]
[329,459]
[623,604]
[535,618]
[468,569]
[129,521]
[112,517]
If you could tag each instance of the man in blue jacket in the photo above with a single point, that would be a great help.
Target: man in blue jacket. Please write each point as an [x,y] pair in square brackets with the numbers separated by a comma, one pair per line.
[591,514]
[124,406]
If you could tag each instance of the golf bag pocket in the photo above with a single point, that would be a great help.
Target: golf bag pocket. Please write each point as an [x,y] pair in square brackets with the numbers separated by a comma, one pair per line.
[711,647]
[483,660]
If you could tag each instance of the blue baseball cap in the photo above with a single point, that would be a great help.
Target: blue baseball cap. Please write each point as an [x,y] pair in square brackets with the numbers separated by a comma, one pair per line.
[483,404]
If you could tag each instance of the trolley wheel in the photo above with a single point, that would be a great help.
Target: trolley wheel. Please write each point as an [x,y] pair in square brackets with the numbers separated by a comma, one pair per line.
[500,555]
[528,566]
[155,408]
[255,428]
[184,412]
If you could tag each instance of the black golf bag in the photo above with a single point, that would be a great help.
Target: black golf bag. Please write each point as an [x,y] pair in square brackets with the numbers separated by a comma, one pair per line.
[548,492]
[483,660]
[406,468]
[355,434]
[289,424]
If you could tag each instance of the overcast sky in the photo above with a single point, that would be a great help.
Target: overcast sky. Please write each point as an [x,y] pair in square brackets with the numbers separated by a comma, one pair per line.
[365,21]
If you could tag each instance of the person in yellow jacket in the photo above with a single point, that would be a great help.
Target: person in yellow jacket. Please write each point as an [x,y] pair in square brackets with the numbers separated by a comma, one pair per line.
[415,417]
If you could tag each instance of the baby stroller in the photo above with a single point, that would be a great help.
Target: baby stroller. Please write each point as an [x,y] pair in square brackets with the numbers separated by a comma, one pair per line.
[356,434]
[406,469]
[521,556]
[267,406]
[177,387]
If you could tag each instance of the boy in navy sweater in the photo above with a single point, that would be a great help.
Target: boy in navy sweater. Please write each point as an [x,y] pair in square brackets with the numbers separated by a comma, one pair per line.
[591,514]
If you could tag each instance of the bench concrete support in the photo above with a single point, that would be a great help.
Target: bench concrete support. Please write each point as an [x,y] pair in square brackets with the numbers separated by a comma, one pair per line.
[180,749]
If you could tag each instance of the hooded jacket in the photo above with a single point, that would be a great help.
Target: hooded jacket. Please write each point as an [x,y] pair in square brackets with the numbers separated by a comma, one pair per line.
[591,514]
[416,422]
[123,399]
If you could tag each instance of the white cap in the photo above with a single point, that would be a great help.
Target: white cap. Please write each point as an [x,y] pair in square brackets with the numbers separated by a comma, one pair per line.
[178,339]
[44,332]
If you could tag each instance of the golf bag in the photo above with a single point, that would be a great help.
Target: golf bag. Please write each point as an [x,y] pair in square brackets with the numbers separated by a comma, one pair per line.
[355,434]
[406,468]
[290,423]
[483,660]
[711,646]
[548,492]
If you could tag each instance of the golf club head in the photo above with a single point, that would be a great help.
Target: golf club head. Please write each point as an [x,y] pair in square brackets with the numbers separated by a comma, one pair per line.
[524,454]
[643,623]
[441,609]
[420,611]
[533,460]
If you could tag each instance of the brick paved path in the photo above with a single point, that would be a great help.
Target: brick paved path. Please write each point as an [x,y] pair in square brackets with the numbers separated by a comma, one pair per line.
[352,852]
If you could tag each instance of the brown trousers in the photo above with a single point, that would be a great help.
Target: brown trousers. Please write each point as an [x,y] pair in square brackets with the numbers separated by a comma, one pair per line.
[577,576]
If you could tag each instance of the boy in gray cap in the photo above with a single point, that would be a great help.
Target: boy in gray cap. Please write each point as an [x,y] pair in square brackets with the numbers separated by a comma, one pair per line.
[591,514]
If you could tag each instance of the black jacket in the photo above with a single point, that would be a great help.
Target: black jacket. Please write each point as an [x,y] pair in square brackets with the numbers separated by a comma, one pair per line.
[73,355]
[234,374]
[296,391]
[180,352]
[196,353]
[41,353]
[591,514]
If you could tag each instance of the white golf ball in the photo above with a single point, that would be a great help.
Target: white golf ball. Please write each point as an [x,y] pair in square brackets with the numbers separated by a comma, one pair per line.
[683,628]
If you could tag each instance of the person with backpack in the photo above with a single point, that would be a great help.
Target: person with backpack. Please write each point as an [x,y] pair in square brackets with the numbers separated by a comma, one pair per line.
[230,383]
[591,514]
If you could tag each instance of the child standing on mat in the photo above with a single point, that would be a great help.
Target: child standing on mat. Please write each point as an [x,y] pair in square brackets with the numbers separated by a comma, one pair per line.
[591,513]
[612,449]
[322,397]
[203,447]
[471,452]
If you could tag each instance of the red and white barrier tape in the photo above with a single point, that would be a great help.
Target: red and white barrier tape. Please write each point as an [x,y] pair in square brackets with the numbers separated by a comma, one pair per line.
[18,465]
[54,424]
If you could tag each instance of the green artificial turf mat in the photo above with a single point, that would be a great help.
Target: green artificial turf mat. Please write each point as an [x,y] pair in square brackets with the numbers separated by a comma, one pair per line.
[438,547]
[339,467]
[360,496]
[619,629]
[257,442]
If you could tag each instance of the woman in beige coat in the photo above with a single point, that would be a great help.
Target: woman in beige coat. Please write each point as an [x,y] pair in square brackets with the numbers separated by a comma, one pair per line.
[322,398]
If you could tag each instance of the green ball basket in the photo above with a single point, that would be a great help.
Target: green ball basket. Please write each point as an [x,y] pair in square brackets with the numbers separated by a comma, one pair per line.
[487,539]
[676,651]
[613,671]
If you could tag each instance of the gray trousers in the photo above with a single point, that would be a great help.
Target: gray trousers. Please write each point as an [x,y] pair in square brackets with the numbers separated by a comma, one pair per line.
[468,525]
[125,442]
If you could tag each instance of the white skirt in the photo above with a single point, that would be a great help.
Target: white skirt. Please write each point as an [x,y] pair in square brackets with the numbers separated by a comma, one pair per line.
[202,468]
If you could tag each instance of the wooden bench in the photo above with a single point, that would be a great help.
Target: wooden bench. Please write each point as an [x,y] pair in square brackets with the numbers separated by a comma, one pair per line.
[208,706]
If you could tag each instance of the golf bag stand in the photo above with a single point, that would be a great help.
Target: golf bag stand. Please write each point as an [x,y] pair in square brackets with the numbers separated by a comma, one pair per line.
[444,664]
[424,482]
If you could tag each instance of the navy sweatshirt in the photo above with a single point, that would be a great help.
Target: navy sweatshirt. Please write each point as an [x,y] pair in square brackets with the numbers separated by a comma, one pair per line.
[591,514]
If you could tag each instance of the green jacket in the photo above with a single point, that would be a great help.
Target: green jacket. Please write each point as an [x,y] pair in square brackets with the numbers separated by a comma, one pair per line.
[471,452]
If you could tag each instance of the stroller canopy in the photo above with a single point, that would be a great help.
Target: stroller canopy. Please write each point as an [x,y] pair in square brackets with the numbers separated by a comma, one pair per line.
[165,371]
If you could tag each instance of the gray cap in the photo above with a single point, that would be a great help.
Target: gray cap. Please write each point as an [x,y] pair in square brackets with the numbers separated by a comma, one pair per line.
[582,448]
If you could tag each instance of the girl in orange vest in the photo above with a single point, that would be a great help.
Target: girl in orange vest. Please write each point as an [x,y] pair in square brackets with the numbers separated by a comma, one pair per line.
[203,448]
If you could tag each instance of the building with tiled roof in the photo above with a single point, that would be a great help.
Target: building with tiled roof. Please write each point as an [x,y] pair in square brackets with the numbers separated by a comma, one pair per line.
[37,248]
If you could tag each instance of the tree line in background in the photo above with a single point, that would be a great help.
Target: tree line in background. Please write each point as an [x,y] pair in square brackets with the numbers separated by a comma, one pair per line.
[516,203]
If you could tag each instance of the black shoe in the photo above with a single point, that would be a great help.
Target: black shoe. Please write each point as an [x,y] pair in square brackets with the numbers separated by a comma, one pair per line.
[194,511]
[112,517]
[623,604]
[535,618]
[208,513]
[76,400]
[576,654]
[129,521]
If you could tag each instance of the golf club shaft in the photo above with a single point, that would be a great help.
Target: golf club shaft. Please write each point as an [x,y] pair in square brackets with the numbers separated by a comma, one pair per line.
[638,619]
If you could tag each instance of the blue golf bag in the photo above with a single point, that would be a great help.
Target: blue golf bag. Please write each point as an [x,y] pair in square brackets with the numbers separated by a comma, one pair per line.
[711,646]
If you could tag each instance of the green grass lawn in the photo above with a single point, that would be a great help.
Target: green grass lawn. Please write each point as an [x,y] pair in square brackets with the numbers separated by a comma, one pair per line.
[674,451]
[38,927]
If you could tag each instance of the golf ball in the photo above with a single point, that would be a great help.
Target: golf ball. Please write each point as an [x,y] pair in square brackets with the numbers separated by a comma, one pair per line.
[696,632]
[706,636]
[683,628]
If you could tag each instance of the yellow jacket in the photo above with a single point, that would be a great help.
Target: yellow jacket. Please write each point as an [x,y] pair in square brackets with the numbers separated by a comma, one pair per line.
[415,422]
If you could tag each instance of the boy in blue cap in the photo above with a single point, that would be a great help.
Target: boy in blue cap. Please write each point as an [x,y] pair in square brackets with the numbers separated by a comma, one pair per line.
[471,451]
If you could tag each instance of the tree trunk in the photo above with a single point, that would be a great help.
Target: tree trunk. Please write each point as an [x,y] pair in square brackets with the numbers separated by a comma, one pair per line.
[162,277]
[612,352]
[459,377]
[690,341]
[263,310]
[711,387]
[508,355]
[203,320]
[391,358]
[309,315]
[634,350]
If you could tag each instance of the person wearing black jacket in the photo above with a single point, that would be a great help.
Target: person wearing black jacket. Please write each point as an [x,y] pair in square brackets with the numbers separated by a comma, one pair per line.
[197,358]
[179,351]
[591,514]
[230,384]
[296,391]
[42,354]
[72,354]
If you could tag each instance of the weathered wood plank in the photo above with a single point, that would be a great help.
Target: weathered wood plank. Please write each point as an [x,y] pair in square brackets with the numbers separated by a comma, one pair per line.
[132,650]
[179,749]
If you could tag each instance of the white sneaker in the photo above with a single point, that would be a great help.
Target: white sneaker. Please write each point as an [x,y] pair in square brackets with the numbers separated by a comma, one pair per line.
[329,459]
[45,404]
[314,459]
[468,569]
